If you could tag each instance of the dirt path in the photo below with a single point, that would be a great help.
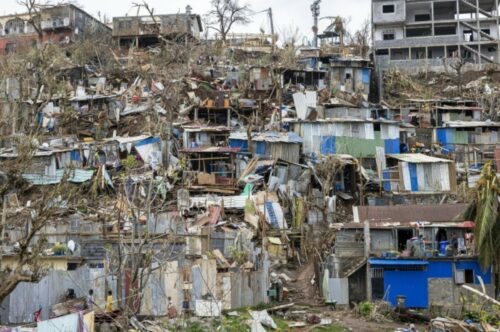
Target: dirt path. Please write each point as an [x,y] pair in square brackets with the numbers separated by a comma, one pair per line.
[353,323]
[301,290]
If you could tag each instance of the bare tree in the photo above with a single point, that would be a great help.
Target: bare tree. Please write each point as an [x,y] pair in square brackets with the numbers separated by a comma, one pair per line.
[362,38]
[226,13]
[33,8]
[457,66]
[340,24]
[290,36]
[26,224]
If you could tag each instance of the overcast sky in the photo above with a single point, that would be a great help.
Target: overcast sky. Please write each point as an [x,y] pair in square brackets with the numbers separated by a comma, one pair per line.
[287,13]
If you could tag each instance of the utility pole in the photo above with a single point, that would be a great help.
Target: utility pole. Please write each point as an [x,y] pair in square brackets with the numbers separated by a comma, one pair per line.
[271,22]
[315,12]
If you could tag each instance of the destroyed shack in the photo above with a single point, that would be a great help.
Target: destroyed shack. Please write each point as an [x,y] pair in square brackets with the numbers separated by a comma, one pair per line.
[352,75]
[210,168]
[418,173]
[274,145]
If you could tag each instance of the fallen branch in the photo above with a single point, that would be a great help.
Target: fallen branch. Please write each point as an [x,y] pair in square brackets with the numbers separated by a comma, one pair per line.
[484,296]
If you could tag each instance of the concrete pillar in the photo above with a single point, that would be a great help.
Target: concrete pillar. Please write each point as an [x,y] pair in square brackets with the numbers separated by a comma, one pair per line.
[432,18]
[498,31]
[366,232]
[478,33]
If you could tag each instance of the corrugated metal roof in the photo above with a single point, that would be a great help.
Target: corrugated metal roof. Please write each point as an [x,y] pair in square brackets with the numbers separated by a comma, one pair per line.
[196,129]
[125,140]
[37,153]
[458,108]
[400,262]
[230,202]
[392,224]
[410,213]
[470,124]
[342,120]
[288,137]
[215,149]
[75,176]
[418,158]
[92,97]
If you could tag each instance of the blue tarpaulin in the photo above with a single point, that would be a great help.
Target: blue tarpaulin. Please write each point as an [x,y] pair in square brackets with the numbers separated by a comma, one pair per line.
[150,140]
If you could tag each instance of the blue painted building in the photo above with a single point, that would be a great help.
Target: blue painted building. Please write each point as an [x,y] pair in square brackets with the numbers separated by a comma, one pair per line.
[416,279]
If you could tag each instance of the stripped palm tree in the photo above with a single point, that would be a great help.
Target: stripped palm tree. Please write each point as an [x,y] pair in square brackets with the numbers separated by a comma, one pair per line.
[340,29]
[484,211]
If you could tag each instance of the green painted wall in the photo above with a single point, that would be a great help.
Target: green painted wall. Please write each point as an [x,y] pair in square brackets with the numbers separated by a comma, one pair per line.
[358,147]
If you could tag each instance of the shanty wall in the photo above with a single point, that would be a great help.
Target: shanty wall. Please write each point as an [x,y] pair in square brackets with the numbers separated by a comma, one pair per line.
[344,112]
[286,151]
[358,139]
[19,306]
[234,288]
[359,80]
[449,136]
[427,177]
[163,283]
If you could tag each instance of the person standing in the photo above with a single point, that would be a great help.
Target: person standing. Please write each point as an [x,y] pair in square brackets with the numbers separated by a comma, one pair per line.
[109,302]
[90,299]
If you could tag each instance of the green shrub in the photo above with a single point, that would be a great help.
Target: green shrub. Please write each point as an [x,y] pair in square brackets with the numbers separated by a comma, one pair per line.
[365,309]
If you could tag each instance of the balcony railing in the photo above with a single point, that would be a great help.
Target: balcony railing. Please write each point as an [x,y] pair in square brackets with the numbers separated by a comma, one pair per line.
[56,23]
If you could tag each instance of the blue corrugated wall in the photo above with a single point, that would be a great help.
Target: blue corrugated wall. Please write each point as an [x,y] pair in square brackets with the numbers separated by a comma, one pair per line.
[392,146]
[444,137]
[260,148]
[237,143]
[414,284]
[413,176]
[328,145]
[386,175]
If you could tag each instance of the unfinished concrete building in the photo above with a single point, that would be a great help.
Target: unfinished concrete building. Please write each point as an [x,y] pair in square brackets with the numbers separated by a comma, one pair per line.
[144,31]
[427,34]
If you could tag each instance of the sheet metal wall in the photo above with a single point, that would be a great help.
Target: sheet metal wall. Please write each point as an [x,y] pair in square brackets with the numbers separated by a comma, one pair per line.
[356,139]
[16,309]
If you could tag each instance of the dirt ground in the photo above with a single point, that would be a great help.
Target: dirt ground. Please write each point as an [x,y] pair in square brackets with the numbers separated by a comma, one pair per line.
[349,321]
[304,294]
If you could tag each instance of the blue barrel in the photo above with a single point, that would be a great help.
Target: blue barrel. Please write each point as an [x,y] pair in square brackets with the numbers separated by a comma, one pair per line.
[442,247]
